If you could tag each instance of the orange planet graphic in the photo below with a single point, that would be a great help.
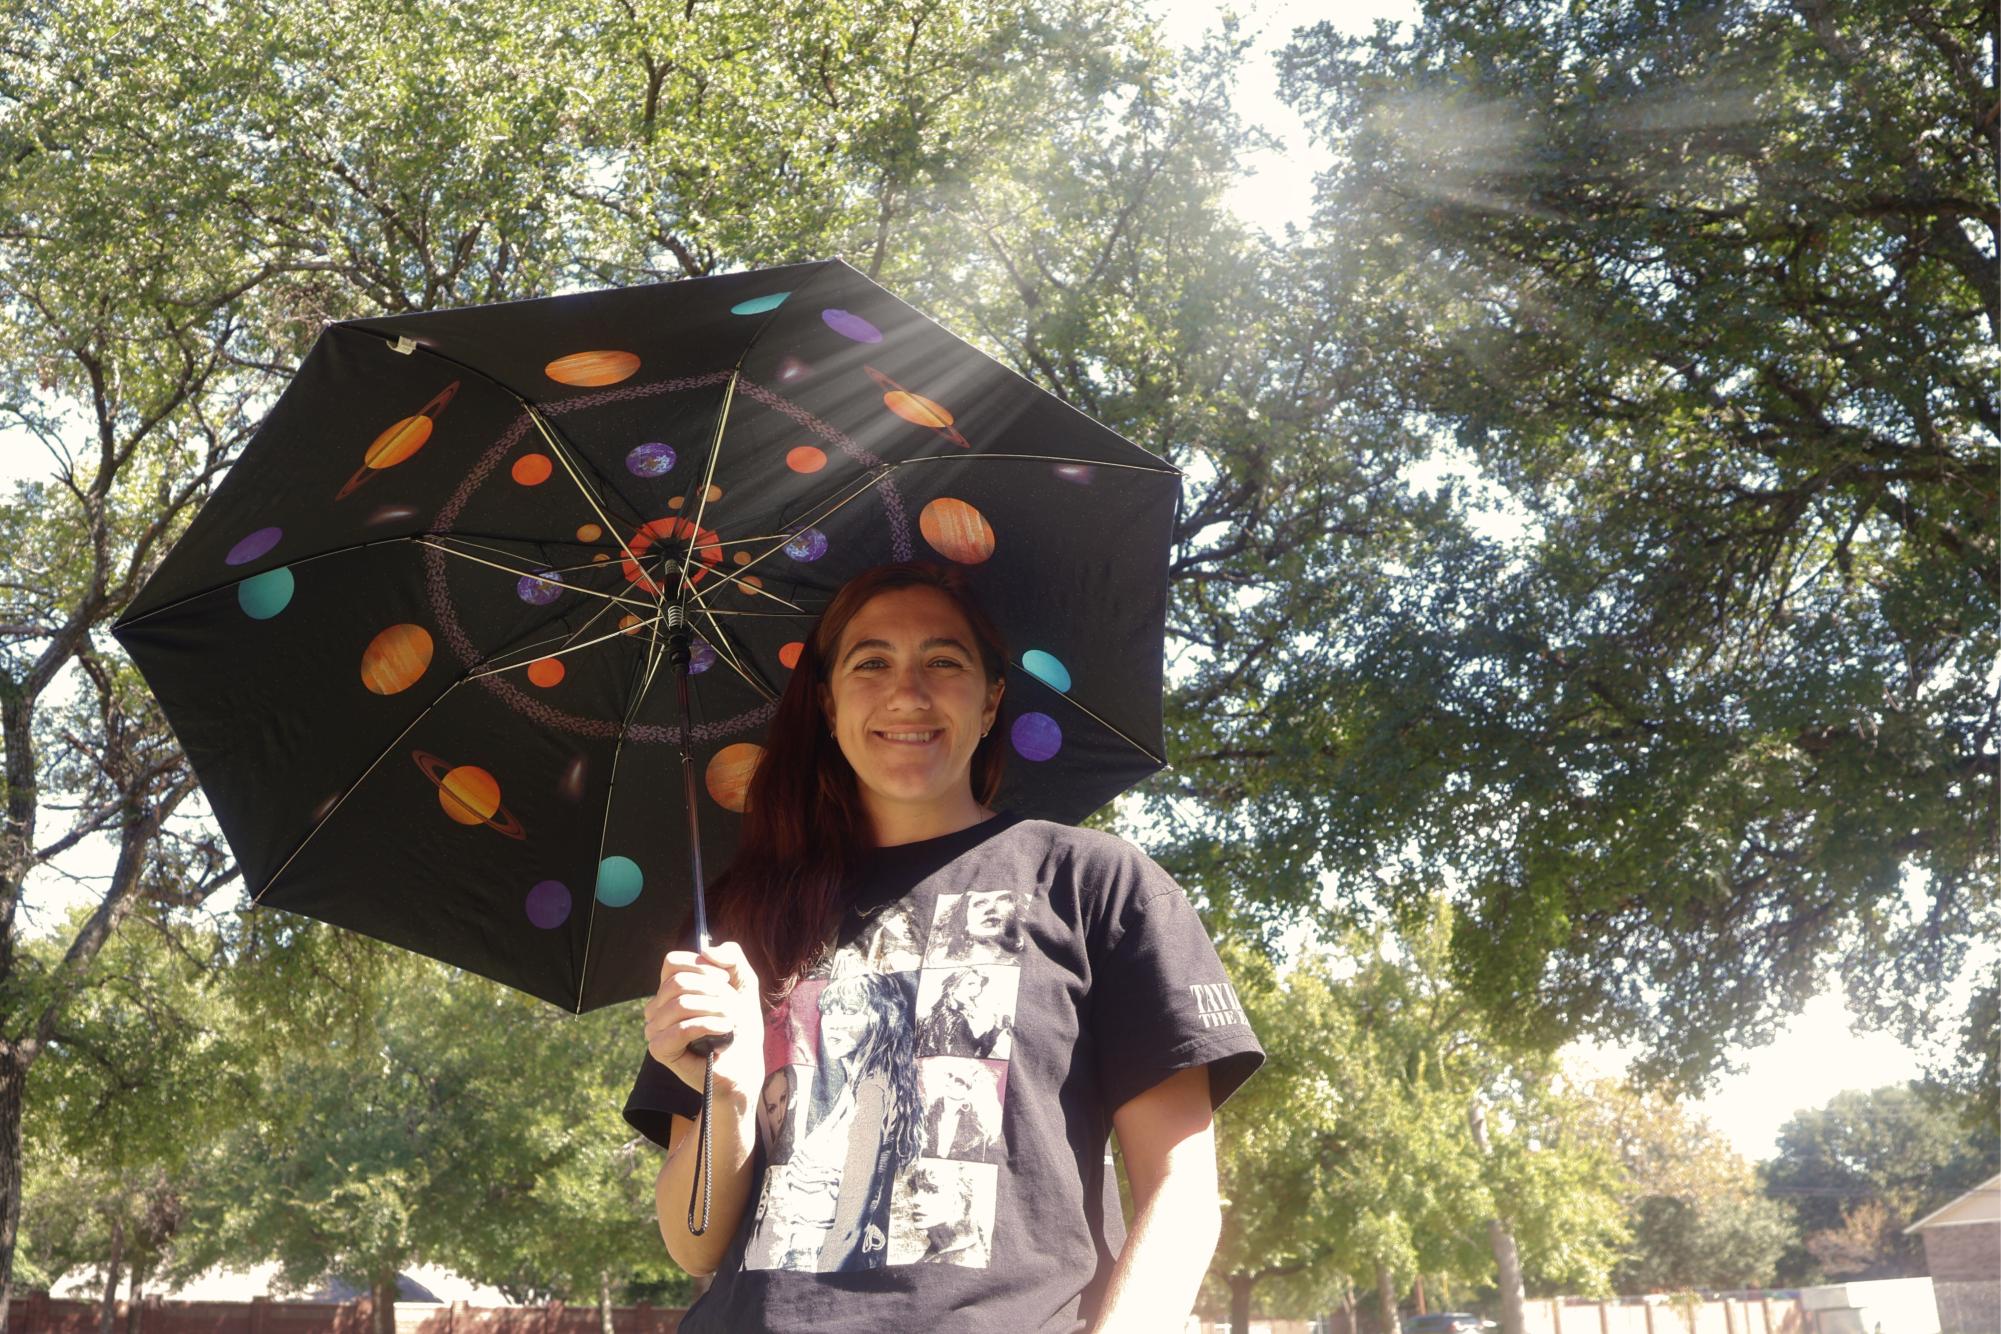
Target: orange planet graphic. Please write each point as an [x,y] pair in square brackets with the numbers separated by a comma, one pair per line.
[806,459]
[532,469]
[956,531]
[588,369]
[590,532]
[546,672]
[399,441]
[396,658]
[468,794]
[630,624]
[916,409]
[729,772]
[789,655]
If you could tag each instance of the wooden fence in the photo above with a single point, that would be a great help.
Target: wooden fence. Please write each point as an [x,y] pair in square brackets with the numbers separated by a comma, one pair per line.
[38,1313]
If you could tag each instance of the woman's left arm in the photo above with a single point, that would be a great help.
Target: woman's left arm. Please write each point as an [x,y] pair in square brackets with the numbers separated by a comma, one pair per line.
[1169,1144]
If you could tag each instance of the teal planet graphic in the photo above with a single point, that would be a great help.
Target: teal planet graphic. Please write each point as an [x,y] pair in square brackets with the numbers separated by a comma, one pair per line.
[1045,668]
[263,596]
[619,881]
[757,305]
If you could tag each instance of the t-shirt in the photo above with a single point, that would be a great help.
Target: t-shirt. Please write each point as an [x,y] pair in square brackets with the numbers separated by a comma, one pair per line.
[939,1088]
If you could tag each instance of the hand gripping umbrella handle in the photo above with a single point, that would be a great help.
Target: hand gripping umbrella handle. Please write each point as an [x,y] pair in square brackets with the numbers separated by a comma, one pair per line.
[678,654]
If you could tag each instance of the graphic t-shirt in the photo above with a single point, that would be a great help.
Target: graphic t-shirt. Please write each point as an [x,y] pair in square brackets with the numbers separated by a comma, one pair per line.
[939,1089]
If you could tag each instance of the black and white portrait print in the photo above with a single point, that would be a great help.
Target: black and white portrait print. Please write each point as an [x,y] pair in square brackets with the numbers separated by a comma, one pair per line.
[966,1012]
[962,1108]
[944,1214]
[881,1114]
[980,926]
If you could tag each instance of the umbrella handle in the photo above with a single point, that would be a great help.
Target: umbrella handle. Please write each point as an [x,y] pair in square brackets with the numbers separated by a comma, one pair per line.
[704,1164]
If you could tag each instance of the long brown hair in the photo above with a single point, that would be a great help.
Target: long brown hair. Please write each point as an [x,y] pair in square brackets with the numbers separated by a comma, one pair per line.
[804,825]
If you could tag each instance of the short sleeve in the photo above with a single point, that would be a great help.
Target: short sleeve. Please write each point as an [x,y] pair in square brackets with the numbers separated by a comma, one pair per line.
[1160,1001]
[658,1095]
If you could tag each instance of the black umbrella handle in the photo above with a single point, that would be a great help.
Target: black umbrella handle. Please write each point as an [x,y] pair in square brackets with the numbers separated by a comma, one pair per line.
[678,654]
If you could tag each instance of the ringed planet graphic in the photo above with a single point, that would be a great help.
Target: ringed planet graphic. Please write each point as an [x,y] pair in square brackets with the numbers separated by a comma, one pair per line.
[399,441]
[468,794]
[956,531]
[588,370]
[915,408]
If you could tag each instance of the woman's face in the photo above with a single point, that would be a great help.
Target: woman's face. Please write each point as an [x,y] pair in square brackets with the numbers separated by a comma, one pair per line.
[908,701]
[841,1031]
[988,912]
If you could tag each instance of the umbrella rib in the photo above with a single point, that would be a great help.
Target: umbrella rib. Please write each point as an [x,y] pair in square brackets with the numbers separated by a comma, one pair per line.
[562,453]
[1078,705]
[781,540]
[1164,470]
[327,819]
[535,575]
[503,551]
[719,641]
[575,646]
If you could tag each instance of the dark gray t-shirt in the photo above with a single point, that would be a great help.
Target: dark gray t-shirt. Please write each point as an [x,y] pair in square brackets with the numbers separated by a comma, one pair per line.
[940,1087]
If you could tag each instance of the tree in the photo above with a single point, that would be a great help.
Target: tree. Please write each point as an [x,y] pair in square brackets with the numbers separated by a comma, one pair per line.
[1697,1217]
[1701,295]
[1858,1171]
[1358,1152]
[189,192]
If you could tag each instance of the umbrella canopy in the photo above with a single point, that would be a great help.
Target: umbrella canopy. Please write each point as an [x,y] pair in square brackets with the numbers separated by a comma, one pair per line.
[411,644]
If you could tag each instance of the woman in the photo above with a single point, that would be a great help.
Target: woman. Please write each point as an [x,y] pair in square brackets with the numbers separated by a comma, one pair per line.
[875,795]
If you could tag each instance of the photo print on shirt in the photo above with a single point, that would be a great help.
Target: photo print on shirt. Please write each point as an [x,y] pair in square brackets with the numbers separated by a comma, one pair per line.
[944,1215]
[881,1115]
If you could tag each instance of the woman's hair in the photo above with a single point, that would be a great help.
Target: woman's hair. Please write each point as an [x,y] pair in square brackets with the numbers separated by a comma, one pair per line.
[804,827]
[888,1041]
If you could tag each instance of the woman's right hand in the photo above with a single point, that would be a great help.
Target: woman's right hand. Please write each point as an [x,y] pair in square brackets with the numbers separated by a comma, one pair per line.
[714,994]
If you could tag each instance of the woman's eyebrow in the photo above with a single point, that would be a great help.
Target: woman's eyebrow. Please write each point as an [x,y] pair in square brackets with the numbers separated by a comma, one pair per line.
[929,644]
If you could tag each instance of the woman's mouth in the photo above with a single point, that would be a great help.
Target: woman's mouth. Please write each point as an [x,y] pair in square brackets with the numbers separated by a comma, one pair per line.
[909,738]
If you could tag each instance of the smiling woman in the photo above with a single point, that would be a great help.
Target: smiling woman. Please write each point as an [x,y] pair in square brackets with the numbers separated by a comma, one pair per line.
[957,1007]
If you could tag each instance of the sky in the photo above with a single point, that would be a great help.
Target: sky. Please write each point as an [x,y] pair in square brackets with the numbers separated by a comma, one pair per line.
[1814,1057]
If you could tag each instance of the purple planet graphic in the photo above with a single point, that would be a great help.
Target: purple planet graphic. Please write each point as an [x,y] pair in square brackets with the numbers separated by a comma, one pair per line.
[809,544]
[851,326]
[1036,737]
[791,368]
[1079,473]
[549,904]
[392,514]
[650,460]
[539,590]
[253,546]
[700,657]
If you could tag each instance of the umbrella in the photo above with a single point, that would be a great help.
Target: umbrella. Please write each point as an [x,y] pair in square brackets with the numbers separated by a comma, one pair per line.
[473,647]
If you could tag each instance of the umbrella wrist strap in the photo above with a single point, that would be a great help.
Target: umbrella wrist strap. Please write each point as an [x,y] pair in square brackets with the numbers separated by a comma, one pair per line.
[704,1153]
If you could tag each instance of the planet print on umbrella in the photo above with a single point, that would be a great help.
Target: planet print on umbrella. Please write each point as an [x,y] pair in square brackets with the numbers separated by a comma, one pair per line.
[391,514]
[546,672]
[700,657]
[708,549]
[956,531]
[401,440]
[805,458]
[789,655]
[263,596]
[1045,668]
[729,773]
[791,368]
[531,469]
[1077,474]
[757,305]
[619,881]
[851,326]
[1036,737]
[807,545]
[652,459]
[396,659]
[548,904]
[250,548]
[539,589]
[468,794]
[588,370]
[916,409]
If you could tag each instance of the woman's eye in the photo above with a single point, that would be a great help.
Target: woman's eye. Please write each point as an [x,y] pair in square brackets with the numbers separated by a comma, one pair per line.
[946,662]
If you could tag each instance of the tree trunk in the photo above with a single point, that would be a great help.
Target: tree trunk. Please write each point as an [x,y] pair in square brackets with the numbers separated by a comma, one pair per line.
[1386,1297]
[1240,1303]
[604,1302]
[13,1074]
[382,1295]
[1417,1292]
[107,1310]
[132,1282]
[1507,1260]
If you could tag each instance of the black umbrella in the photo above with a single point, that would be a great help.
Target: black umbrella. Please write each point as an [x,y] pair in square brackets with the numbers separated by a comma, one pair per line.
[418,647]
